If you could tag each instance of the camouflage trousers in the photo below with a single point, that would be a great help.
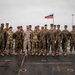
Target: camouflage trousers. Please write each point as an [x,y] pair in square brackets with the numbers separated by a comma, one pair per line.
[72,45]
[50,44]
[57,46]
[42,45]
[1,45]
[35,45]
[27,45]
[18,45]
[64,46]
[9,46]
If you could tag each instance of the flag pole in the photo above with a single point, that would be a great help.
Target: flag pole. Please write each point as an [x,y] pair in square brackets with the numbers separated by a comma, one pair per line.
[72,19]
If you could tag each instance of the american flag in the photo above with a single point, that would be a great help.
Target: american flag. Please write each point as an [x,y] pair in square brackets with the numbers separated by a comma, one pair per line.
[49,16]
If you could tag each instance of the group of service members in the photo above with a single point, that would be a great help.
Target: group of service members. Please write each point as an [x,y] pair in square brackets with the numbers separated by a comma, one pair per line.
[40,41]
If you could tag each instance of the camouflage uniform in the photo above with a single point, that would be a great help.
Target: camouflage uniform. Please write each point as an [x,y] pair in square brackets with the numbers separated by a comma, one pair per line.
[23,35]
[35,40]
[18,36]
[72,40]
[58,40]
[42,41]
[51,40]
[2,36]
[65,37]
[46,32]
[6,29]
[54,43]
[27,40]
[9,44]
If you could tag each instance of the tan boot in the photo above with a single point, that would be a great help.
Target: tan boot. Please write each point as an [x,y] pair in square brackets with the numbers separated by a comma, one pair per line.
[53,54]
[58,53]
[70,52]
[7,53]
[48,54]
[64,53]
[2,54]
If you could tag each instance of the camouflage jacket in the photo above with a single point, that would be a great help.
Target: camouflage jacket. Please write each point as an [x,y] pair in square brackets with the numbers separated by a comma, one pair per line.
[42,36]
[65,35]
[9,35]
[34,36]
[51,36]
[18,35]
[58,35]
[72,36]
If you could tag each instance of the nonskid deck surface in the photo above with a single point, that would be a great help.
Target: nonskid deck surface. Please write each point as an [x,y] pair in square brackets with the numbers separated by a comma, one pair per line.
[37,65]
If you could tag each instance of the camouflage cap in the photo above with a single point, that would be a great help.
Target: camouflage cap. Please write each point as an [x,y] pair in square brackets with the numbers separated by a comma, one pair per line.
[10,27]
[35,27]
[58,25]
[2,24]
[45,25]
[54,25]
[65,26]
[30,26]
[7,24]
[42,27]
[73,26]
[18,27]
[51,25]
[38,26]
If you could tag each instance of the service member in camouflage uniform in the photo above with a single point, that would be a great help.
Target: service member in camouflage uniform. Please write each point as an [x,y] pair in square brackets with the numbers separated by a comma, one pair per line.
[27,41]
[58,40]
[54,28]
[6,29]
[2,40]
[65,38]
[35,40]
[46,32]
[42,41]
[54,31]
[72,39]
[30,26]
[51,40]
[18,36]
[9,44]
[21,28]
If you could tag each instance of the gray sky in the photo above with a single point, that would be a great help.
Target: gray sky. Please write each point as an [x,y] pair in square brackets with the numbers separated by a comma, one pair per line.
[25,12]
